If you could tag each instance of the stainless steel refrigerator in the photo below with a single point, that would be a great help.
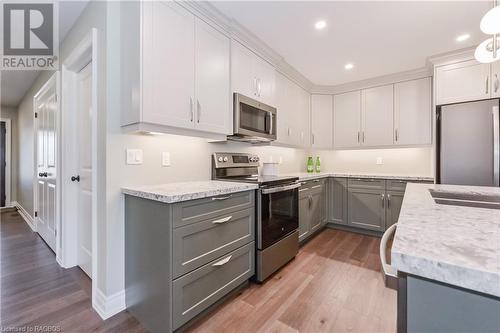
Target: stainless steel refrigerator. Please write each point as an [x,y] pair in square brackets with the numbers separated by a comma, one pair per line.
[468,144]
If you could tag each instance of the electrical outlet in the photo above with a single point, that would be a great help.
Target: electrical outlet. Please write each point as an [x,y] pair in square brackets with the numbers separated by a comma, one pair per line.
[134,156]
[380,161]
[165,159]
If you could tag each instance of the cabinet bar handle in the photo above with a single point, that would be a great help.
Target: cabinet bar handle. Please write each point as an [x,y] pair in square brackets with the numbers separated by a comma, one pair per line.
[198,109]
[487,83]
[497,82]
[363,136]
[382,197]
[312,138]
[222,261]
[222,220]
[388,200]
[358,136]
[255,86]
[221,198]
[316,186]
[191,105]
[396,134]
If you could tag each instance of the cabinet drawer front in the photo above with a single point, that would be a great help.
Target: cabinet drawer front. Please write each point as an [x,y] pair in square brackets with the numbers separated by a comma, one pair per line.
[317,186]
[199,243]
[371,183]
[188,212]
[400,185]
[396,184]
[196,291]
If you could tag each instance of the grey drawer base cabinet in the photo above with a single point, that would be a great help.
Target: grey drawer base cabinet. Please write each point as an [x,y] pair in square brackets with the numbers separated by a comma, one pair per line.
[182,258]
[312,207]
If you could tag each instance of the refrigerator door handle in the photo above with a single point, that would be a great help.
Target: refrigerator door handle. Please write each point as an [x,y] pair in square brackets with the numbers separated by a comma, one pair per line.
[496,147]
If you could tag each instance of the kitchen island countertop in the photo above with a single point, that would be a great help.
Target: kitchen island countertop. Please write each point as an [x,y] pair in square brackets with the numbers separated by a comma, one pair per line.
[456,245]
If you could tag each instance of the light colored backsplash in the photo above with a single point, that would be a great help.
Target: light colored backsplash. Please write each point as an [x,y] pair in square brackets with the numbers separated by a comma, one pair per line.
[396,161]
[190,157]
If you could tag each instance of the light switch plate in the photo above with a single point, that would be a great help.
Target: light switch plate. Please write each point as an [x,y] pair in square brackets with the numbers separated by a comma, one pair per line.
[134,156]
[165,159]
[380,161]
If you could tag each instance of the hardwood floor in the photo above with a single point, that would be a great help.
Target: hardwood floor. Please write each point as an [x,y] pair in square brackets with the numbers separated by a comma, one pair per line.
[36,291]
[333,285]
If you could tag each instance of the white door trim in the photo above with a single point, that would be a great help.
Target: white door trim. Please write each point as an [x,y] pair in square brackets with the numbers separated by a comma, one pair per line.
[84,53]
[54,79]
[8,151]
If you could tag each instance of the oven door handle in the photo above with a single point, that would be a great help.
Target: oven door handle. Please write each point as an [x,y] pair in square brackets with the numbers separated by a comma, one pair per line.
[280,188]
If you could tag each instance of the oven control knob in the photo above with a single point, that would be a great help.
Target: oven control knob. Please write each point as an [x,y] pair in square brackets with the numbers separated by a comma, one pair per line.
[219,159]
[226,159]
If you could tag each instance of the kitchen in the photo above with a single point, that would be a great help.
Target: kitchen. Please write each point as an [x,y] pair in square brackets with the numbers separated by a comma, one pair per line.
[218,228]
[275,166]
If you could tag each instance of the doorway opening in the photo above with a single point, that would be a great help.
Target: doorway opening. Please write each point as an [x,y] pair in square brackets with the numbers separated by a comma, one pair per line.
[5,151]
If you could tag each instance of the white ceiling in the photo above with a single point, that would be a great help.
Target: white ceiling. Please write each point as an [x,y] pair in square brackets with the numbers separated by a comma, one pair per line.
[378,37]
[15,84]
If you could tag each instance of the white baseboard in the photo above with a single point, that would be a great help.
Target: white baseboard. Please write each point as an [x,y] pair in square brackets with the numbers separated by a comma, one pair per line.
[108,306]
[25,215]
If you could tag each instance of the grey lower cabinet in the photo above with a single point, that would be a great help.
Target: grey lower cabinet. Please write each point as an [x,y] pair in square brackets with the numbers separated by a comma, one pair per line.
[394,203]
[365,203]
[312,207]
[366,208]
[337,200]
[182,258]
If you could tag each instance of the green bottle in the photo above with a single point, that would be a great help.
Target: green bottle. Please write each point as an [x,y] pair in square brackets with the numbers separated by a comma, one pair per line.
[318,165]
[310,164]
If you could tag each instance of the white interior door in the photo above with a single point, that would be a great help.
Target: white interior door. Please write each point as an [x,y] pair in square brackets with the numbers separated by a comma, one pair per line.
[84,146]
[46,109]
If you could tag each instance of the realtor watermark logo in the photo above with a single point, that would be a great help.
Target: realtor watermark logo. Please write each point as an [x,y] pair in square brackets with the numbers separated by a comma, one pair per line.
[30,35]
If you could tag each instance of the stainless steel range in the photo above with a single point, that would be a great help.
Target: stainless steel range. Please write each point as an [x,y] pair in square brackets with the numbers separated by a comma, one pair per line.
[277,211]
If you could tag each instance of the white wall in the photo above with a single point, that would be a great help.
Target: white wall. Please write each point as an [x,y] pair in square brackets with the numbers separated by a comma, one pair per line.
[396,161]
[11,113]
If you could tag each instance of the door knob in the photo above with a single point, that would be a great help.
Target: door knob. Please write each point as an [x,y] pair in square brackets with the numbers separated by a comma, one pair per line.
[40,174]
[75,178]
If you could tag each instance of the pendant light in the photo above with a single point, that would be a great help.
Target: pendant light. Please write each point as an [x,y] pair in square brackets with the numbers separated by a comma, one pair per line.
[489,50]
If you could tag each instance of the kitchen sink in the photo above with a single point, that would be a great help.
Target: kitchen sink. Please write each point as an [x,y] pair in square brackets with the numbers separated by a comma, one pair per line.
[466,199]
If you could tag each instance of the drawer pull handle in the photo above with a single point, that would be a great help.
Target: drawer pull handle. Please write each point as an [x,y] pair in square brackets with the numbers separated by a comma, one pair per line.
[316,186]
[222,262]
[221,198]
[317,181]
[222,220]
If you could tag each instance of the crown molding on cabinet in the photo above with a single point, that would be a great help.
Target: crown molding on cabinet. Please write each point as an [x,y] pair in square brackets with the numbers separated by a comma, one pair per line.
[373,82]
[236,31]
[451,57]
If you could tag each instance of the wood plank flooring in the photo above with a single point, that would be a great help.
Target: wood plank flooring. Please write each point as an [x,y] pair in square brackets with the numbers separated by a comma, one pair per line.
[36,291]
[333,285]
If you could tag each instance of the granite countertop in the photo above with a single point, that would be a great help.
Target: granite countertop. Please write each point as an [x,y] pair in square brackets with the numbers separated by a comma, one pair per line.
[177,192]
[456,245]
[308,176]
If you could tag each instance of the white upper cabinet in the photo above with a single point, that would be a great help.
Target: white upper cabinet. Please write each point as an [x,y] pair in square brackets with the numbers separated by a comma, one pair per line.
[293,105]
[412,112]
[463,81]
[168,66]
[495,79]
[213,102]
[347,120]
[377,109]
[322,121]
[284,115]
[182,80]
[251,75]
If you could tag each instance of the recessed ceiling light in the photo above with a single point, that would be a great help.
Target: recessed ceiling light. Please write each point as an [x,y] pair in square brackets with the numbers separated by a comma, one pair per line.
[320,25]
[462,38]
[349,66]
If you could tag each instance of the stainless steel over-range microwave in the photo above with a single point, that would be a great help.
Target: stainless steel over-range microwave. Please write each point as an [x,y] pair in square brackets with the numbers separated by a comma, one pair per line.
[254,121]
